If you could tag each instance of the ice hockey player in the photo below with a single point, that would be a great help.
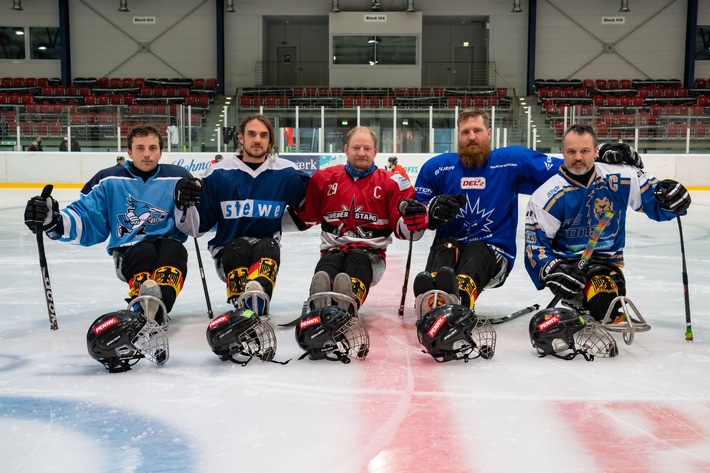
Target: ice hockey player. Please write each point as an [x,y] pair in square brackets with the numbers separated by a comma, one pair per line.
[472,199]
[245,198]
[132,207]
[563,212]
[359,207]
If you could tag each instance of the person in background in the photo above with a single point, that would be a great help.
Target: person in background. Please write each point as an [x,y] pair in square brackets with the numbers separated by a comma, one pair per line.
[396,168]
[564,211]
[120,161]
[36,145]
[64,145]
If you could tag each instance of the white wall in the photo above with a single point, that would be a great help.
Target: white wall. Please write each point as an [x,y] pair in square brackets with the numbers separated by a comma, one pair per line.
[186,46]
[23,169]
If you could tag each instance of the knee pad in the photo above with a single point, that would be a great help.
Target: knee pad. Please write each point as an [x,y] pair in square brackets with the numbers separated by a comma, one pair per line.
[478,261]
[359,266]
[236,254]
[139,258]
[444,253]
[266,248]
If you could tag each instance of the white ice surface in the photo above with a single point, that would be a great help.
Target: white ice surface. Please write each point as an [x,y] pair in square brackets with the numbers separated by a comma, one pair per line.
[647,410]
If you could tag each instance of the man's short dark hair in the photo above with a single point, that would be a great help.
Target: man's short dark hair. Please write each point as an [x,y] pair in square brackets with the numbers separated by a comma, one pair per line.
[144,130]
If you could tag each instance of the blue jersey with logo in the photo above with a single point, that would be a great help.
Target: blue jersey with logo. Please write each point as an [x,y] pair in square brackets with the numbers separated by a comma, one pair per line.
[491,190]
[120,206]
[245,202]
[562,214]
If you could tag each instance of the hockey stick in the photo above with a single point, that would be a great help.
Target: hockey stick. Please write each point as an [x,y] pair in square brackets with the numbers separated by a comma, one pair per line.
[43,267]
[202,271]
[589,249]
[406,276]
[204,280]
[515,315]
[688,328]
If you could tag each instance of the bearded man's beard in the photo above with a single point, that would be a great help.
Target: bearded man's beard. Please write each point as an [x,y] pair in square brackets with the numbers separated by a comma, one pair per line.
[474,155]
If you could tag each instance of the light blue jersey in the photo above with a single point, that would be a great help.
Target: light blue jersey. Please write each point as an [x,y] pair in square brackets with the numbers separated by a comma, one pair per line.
[562,214]
[120,206]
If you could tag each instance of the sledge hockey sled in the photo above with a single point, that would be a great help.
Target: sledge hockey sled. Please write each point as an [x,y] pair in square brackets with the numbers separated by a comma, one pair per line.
[323,299]
[432,299]
[257,301]
[632,321]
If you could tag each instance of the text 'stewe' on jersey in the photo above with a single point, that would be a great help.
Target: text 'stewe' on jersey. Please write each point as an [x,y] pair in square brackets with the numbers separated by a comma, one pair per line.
[245,202]
[491,190]
[362,212]
[562,214]
[120,206]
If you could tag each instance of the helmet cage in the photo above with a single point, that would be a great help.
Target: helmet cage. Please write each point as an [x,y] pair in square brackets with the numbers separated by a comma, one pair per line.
[137,336]
[241,333]
[459,336]
[596,341]
[330,333]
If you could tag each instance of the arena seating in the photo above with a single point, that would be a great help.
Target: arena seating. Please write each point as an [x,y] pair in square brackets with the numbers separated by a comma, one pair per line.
[659,109]
[94,106]
[371,98]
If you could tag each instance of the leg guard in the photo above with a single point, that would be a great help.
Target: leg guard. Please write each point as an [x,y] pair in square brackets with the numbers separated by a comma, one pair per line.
[468,290]
[265,260]
[171,270]
[135,282]
[599,294]
[235,261]
[236,280]
[423,282]
[136,264]
[359,266]
[444,253]
[264,272]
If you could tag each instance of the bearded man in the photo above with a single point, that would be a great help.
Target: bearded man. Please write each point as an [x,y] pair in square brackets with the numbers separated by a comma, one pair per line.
[472,199]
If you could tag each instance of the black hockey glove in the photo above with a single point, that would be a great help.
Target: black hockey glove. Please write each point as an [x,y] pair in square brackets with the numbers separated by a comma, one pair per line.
[187,192]
[443,208]
[44,213]
[610,153]
[562,278]
[672,196]
[414,215]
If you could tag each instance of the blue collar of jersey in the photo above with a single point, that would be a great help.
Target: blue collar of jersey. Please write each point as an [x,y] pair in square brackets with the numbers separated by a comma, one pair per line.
[359,174]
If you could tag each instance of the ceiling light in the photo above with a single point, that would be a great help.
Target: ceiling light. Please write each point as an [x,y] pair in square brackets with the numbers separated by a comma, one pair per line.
[230,6]
[17,5]
[123,6]
[624,6]
[516,7]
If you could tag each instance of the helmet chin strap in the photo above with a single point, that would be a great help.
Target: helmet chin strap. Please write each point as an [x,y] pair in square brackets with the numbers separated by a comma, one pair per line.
[341,357]
[250,356]
[570,356]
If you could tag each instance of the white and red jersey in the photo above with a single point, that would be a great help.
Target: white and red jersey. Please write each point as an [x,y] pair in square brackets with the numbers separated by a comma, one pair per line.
[356,213]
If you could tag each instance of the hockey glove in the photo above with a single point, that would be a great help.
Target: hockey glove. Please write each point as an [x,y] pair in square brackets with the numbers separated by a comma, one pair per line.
[187,192]
[43,213]
[672,196]
[414,215]
[444,208]
[618,153]
[563,279]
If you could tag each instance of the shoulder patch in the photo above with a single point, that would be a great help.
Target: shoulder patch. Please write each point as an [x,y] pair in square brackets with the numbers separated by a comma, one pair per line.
[401,181]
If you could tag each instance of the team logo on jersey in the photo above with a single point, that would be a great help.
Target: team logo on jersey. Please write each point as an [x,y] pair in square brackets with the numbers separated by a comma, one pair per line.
[475,217]
[478,183]
[138,216]
[351,218]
